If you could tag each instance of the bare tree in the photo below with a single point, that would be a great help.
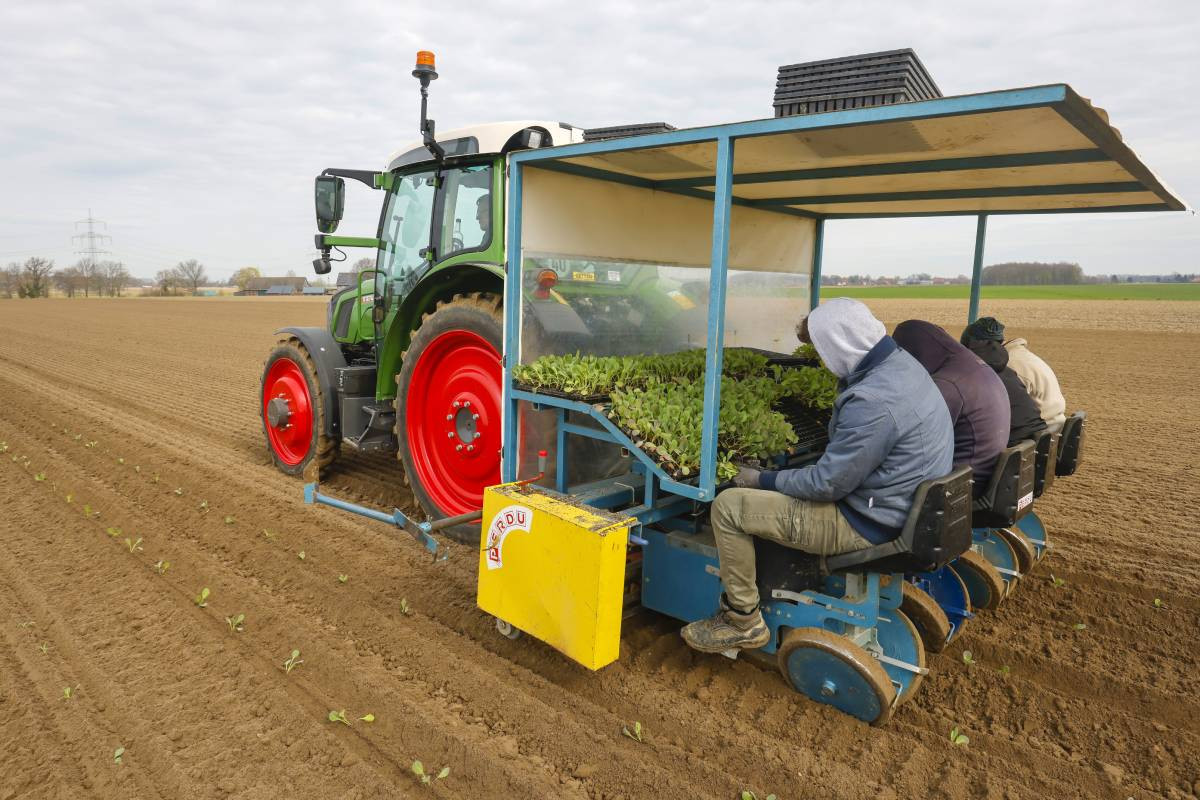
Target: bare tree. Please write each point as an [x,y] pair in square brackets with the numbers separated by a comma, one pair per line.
[10,280]
[167,280]
[116,277]
[35,277]
[68,280]
[191,274]
[92,278]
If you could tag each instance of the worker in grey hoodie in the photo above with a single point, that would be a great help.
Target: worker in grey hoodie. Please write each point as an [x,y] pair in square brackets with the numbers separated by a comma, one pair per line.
[890,430]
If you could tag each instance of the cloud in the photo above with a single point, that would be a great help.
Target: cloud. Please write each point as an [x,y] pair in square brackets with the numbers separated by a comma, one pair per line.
[195,129]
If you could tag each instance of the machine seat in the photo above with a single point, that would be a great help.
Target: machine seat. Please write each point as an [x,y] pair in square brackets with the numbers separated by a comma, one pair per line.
[1070,448]
[1045,460]
[1009,494]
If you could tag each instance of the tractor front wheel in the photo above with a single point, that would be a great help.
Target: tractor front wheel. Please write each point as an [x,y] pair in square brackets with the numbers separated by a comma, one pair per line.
[293,414]
[448,399]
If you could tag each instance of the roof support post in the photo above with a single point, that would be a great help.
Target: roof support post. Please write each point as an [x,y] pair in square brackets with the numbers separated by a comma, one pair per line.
[977,269]
[718,280]
[814,286]
[512,327]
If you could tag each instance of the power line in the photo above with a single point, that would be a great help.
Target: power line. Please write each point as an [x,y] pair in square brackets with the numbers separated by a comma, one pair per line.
[90,239]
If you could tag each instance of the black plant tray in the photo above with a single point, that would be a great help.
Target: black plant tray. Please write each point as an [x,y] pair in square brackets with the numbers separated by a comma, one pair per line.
[590,399]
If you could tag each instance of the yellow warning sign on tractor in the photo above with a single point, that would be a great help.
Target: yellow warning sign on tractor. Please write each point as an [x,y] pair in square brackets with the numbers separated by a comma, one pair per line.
[554,569]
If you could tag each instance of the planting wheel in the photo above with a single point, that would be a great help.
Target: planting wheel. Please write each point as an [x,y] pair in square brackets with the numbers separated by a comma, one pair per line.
[448,408]
[1024,550]
[900,640]
[984,584]
[999,553]
[293,415]
[950,593]
[927,617]
[831,669]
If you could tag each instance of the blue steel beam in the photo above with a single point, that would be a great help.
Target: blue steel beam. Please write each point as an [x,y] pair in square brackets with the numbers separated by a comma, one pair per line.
[814,282]
[512,327]
[955,194]
[977,268]
[717,281]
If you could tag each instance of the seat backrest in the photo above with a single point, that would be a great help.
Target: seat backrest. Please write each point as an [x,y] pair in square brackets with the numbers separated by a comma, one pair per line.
[937,530]
[1045,460]
[1070,448]
[1009,494]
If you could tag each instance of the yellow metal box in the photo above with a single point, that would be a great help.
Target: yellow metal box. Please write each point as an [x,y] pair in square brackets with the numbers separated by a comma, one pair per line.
[555,570]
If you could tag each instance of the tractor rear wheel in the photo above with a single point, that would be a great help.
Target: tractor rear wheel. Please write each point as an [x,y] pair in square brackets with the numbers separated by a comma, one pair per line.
[293,414]
[448,399]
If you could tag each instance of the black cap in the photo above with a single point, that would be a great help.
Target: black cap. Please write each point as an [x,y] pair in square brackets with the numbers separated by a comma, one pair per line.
[985,329]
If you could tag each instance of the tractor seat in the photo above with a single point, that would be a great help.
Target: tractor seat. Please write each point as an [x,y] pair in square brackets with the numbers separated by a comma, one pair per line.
[1070,448]
[1009,494]
[938,529]
[1045,459]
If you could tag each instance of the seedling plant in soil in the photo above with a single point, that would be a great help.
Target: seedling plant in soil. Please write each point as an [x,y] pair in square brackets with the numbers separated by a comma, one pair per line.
[418,769]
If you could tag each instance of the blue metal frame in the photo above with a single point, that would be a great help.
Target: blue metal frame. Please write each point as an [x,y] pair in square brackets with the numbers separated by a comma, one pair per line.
[977,268]
[818,253]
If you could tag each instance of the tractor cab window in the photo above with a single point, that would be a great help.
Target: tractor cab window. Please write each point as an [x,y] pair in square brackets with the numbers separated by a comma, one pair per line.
[468,210]
[405,227]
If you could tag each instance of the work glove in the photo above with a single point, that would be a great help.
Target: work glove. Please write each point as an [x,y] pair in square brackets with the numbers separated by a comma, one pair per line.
[746,478]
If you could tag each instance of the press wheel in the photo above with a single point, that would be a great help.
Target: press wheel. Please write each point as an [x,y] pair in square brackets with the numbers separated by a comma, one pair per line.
[899,639]
[984,584]
[831,669]
[1023,548]
[927,617]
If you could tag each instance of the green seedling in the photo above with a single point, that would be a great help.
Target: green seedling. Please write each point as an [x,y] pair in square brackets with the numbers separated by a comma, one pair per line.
[114,532]
[78,436]
[178,491]
[44,647]
[203,506]
[958,737]
[404,608]
[1005,670]
[156,477]
[134,545]
[3,447]
[39,477]
[300,555]
[91,444]
[968,658]
[1158,603]
[26,625]
[117,754]
[202,598]
[120,461]
[343,578]
[68,692]
[749,795]
[268,535]
[161,566]
[70,498]
[368,718]
[138,469]
[1058,582]
[418,769]
[293,661]
[339,716]
[637,734]
[235,623]
[230,519]
[1079,626]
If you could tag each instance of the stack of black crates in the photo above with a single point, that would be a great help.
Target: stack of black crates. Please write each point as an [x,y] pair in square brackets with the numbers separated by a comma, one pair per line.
[874,79]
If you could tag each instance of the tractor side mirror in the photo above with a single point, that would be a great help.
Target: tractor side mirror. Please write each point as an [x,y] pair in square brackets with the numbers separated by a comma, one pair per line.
[330,196]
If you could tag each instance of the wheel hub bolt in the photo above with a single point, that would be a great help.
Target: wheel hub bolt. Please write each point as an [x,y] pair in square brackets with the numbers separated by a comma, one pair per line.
[466,403]
[457,404]
[470,447]
[449,417]
[474,416]
[458,447]
[449,434]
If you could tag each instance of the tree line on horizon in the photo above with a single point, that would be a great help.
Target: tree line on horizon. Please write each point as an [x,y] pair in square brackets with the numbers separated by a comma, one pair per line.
[37,276]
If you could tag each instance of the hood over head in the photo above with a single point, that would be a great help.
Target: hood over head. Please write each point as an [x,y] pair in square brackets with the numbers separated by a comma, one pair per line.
[927,343]
[991,351]
[843,330]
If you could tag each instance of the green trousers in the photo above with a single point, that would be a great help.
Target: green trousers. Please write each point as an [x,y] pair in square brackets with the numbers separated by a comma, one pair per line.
[739,514]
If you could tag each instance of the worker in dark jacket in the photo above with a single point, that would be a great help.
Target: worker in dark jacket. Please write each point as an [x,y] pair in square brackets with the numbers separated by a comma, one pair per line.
[889,432]
[1026,418]
[974,394]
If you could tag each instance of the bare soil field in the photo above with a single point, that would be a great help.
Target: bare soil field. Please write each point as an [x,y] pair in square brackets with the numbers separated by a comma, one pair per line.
[137,419]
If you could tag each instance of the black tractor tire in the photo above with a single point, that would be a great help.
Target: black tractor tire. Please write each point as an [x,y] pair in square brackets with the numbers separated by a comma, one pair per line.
[479,313]
[323,450]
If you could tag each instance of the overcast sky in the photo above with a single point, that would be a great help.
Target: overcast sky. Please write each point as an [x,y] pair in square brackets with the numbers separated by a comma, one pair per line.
[195,129]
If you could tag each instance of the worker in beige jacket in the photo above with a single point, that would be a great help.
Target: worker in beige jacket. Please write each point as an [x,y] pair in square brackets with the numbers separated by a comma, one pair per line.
[1035,374]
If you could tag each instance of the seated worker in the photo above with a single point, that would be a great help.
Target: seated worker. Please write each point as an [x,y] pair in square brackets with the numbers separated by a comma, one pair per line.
[1026,419]
[483,215]
[889,432]
[1039,380]
[974,395]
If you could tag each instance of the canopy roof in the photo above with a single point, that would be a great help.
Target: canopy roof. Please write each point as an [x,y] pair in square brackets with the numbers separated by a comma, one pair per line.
[1038,150]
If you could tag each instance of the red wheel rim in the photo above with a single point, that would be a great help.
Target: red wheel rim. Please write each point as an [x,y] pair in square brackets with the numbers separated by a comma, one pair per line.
[291,438]
[453,420]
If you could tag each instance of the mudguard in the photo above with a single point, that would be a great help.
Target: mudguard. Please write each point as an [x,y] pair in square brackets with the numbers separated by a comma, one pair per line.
[327,355]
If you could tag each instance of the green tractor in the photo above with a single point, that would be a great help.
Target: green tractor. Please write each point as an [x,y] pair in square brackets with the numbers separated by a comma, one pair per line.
[410,357]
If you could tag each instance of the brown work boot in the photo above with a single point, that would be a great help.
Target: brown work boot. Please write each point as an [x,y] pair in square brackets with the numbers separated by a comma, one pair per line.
[728,630]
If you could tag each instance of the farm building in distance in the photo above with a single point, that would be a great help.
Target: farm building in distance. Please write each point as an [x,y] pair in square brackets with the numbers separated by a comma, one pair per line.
[274,286]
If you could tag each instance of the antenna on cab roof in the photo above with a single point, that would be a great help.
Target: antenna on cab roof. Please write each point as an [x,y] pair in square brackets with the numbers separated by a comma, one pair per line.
[426,71]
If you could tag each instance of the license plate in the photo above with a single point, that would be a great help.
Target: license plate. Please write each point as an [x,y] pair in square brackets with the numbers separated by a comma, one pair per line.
[583,276]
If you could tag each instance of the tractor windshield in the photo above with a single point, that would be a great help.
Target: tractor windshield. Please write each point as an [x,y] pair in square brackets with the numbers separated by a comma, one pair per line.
[468,216]
[405,227]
